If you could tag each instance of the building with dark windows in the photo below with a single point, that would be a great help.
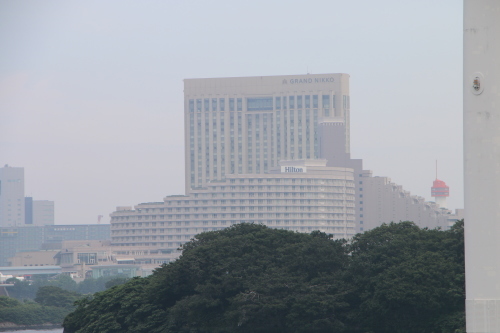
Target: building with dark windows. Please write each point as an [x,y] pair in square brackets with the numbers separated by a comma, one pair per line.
[301,196]
[11,196]
[17,210]
[49,237]
[272,150]
[247,125]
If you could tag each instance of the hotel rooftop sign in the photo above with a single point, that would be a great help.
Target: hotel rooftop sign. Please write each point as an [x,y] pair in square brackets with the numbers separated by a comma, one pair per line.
[292,169]
[309,80]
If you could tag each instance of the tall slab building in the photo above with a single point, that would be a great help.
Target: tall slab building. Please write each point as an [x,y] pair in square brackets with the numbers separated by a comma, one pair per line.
[246,125]
[11,196]
[271,150]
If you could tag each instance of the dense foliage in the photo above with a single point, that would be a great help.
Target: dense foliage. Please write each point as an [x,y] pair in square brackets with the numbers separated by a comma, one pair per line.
[407,279]
[249,278]
[51,306]
[29,313]
[27,290]
[55,296]
[53,299]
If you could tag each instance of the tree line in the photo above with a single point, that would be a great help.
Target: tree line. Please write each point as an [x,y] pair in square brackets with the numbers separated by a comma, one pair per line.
[250,278]
[27,289]
[50,305]
[44,300]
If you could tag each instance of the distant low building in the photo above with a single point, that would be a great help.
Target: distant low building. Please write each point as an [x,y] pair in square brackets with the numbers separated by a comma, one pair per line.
[92,258]
[122,270]
[75,256]
[33,258]
[35,238]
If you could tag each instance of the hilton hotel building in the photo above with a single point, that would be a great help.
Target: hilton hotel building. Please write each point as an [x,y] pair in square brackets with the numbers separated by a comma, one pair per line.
[270,150]
[253,154]
[247,125]
[300,195]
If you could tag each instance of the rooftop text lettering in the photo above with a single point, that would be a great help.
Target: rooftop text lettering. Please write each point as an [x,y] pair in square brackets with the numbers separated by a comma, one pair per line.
[311,80]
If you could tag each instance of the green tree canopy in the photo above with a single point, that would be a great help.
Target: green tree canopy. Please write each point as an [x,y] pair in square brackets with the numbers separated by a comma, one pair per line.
[407,279]
[8,302]
[250,278]
[29,313]
[247,278]
[116,282]
[55,296]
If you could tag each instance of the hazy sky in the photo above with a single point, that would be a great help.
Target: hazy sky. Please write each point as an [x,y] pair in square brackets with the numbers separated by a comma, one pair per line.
[91,92]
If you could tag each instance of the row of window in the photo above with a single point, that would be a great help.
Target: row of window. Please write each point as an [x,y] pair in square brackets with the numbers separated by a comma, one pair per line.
[214,104]
[321,203]
[139,227]
[338,232]
[265,103]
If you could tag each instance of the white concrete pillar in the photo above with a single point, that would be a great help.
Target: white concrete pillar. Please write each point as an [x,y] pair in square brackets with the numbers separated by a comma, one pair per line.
[482,164]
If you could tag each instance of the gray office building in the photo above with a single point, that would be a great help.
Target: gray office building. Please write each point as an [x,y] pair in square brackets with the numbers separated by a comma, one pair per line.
[17,210]
[11,196]
[34,238]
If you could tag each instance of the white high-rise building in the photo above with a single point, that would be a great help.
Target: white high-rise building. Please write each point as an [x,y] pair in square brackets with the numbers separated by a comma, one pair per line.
[247,125]
[272,150]
[11,196]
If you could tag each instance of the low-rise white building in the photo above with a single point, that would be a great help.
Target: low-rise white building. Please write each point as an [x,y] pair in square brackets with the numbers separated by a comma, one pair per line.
[301,196]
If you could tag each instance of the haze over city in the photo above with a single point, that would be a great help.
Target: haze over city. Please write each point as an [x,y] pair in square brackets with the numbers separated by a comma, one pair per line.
[91,100]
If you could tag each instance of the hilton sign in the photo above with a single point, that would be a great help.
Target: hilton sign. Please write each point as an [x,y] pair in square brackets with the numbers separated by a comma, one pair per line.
[291,169]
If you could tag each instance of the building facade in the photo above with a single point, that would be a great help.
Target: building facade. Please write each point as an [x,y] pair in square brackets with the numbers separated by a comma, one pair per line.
[38,212]
[377,199]
[11,196]
[43,212]
[269,150]
[16,210]
[33,258]
[385,201]
[247,125]
[48,237]
[301,196]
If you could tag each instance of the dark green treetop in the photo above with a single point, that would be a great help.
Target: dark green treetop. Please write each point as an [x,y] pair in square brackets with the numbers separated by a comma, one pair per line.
[247,278]
[250,278]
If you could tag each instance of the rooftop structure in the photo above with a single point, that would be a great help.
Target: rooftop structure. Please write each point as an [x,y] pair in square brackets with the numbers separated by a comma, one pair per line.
[440,191]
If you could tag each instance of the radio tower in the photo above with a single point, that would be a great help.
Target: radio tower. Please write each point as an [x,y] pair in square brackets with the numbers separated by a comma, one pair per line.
[440,191]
